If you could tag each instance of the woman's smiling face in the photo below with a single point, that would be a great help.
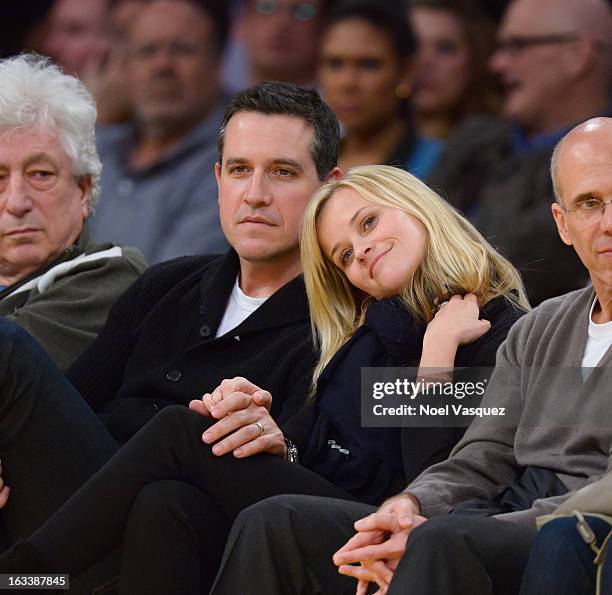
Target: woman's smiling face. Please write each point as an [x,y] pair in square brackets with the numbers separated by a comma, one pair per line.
[378,248]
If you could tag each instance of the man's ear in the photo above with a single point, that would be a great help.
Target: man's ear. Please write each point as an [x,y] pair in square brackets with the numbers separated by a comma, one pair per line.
[581,57]
[559,217]
[85,184]
[217,176]
[334,174]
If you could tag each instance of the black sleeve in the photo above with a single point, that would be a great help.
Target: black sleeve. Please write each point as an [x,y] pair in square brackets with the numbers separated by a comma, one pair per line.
[424,447]
[482,352]
[297,413]
[299,426]
[98,373]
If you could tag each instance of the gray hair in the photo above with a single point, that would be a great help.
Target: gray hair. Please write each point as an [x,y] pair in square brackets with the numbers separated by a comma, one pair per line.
[36,93]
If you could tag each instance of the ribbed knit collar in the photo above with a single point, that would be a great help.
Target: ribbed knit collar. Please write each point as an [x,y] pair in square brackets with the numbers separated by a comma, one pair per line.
[288,304]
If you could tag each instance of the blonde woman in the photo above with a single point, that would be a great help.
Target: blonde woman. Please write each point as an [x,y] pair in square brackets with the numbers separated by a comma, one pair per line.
[395,276]
[382,254]
[425,254]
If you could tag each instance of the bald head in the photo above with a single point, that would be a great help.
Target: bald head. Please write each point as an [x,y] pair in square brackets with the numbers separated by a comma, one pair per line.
[588,143]
[582,170]
[592,17]
[551,49]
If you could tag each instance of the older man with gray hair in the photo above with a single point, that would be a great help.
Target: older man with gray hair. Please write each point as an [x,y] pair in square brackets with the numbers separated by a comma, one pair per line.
[54,281]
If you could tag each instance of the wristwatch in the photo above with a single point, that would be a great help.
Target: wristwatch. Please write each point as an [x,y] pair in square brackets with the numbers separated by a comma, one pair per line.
[292,451]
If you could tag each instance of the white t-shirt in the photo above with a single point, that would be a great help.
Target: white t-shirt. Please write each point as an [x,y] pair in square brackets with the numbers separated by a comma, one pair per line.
[239,307]
[598,341]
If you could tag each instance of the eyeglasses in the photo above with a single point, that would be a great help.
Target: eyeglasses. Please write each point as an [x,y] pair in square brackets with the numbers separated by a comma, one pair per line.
[588,211]
[302,11]
[518,43]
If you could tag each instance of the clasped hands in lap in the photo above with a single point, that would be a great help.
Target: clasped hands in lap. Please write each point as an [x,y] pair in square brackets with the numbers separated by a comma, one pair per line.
[373,553]
[245,426]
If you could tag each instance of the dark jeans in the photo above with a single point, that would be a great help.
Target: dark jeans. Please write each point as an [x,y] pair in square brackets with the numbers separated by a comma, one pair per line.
[561,562]
[51,442]
[169,447]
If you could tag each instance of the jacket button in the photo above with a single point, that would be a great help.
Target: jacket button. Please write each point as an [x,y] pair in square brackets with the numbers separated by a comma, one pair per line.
[153,407]
[174,375]
[204,331]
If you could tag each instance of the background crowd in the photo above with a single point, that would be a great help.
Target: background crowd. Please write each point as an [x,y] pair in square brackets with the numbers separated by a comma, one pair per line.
[468,95]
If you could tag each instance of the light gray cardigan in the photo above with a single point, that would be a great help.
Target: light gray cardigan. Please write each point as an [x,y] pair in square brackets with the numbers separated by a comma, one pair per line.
[555,421]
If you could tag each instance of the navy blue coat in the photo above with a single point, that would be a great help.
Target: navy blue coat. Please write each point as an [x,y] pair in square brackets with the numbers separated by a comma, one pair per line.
[375,466]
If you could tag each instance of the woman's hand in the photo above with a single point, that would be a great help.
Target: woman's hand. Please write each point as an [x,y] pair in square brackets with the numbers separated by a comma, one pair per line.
[245,426]
[456,323]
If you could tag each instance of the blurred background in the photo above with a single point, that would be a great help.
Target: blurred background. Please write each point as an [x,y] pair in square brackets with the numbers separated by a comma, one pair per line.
[469,95]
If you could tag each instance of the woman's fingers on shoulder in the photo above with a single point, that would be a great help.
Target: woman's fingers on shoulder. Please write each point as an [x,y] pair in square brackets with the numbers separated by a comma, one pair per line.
[481,328]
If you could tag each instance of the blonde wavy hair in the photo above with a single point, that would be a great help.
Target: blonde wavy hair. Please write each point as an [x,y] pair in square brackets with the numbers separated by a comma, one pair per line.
[457,259]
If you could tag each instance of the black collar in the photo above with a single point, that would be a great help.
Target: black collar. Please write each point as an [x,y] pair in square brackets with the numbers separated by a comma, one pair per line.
[287,305]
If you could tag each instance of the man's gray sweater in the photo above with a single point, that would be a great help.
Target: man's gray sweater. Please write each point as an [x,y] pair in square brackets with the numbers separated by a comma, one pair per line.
[560,422]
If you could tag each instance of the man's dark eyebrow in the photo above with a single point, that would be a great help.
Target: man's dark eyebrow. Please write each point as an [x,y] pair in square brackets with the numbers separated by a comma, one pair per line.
[236,161]
[351,221]
[278,161]
[291,162]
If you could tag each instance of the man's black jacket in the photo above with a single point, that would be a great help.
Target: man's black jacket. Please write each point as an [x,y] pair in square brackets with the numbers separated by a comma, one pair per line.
[158,346]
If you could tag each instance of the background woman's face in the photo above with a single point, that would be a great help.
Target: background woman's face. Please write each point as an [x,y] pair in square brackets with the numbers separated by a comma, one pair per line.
[443,60]
[358,73]
[378,248]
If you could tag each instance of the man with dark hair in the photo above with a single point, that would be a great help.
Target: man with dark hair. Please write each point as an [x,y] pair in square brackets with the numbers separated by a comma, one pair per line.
[187,324]
[158,181]
[265,99]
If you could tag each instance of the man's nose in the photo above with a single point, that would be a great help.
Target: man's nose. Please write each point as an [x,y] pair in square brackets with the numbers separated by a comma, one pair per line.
[17,196]
[162,59]
[257,192]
